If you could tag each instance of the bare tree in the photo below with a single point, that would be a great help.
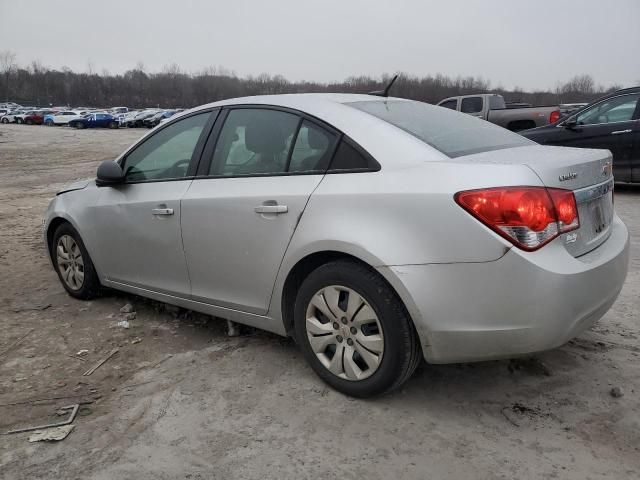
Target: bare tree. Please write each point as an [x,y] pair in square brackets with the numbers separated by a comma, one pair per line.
[8,66]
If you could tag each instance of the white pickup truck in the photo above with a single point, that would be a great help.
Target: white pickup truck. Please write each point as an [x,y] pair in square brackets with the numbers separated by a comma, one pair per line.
[492,107]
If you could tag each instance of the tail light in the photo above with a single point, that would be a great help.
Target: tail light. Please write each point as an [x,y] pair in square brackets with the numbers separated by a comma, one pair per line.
[554,117]
[529,217]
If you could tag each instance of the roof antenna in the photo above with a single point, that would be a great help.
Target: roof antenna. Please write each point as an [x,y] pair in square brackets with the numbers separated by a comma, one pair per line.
[385,92]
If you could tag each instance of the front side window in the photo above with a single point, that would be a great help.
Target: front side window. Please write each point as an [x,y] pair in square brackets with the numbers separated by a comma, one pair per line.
[451,133]
[471,105]
[616,109]
[166,154]
[254,141]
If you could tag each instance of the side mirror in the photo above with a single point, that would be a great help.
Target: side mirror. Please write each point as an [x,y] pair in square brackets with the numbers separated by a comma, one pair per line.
[109,173]
[570,124]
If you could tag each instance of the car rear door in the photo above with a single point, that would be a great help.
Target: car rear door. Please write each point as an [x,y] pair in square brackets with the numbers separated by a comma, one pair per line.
[256,176]
[634,160]
[609,124]
[139,240]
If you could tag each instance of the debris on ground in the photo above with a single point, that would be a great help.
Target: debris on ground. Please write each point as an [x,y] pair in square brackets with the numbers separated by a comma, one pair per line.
[16,343]
[84,351]
[136,340]
[123,323]
[233,329]
[616,392]
[51,434]
[74,410]
[127,308]
[129,316]
[31,306]
[532,366]
[100,363]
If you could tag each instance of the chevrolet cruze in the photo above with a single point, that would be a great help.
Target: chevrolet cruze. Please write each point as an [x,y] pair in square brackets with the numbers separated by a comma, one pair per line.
[375,231]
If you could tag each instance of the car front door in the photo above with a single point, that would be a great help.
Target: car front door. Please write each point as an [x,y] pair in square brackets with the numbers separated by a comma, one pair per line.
[255,178]
[609,124]
[140,242]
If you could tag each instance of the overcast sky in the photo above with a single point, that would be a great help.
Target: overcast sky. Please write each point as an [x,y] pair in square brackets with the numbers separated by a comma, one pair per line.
[530,44]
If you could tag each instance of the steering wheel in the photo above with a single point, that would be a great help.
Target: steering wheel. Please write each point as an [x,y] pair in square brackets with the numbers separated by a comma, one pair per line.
[179,169]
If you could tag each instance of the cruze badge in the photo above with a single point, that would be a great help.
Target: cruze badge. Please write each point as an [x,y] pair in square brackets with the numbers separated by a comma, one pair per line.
[567,176]
[607,168]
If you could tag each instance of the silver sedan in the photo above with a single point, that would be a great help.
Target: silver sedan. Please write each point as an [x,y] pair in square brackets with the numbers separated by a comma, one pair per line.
[375,231]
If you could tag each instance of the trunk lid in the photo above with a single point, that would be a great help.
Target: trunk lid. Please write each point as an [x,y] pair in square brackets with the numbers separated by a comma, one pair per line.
[587,172]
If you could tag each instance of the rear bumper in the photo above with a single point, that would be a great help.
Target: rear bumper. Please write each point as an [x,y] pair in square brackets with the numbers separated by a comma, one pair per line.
[522,303]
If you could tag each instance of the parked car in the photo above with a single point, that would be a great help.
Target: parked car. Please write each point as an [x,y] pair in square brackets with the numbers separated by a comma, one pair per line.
[137,120]
[155,120]
[11,116]
[19,118]
[63,117]
[374,230]
[3,112]
[611,122]
[94,120]
[116,110]
[35,117]
[492,107]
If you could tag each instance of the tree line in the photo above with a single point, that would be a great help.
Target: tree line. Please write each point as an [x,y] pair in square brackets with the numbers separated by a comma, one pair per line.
[36,84]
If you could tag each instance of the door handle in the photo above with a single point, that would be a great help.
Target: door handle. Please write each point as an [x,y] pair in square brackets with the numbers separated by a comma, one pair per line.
[619,132]
[271,209]
[162,211]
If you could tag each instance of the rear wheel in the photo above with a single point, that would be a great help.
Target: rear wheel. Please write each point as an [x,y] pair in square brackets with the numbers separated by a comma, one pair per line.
[29,122]
[79,125]
[73,264]
[5,120]
[113,125]
[49,123]
[354,330]
[19,121]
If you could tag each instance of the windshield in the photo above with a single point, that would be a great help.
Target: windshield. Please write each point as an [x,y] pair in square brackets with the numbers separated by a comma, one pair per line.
[452,133]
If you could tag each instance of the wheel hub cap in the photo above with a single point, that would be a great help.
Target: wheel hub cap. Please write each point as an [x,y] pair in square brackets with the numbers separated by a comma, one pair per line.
[344,332]
[70,262]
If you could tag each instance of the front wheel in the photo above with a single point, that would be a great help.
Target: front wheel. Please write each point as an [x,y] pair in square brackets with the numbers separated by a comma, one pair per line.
[113,125]
[354,330]
[79,125]
[49,123]
[19,121]
[73,264]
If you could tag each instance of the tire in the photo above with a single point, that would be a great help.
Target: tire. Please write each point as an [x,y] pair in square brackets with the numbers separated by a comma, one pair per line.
[5,120]
[29,122]
[19,121]
[393,350]
[79,125]
[81,281]
[113,125]
[49,123]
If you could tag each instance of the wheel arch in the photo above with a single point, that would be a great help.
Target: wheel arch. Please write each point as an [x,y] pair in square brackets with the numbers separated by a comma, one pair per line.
[305,265]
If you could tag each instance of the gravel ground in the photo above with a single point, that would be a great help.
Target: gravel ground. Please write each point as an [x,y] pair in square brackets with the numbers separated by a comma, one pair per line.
[182,400]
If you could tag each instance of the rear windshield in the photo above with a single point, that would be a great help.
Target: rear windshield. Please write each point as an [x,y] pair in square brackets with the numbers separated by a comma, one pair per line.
[452,133]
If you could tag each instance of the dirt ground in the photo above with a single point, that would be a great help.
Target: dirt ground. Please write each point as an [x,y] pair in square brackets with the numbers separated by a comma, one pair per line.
[180,399]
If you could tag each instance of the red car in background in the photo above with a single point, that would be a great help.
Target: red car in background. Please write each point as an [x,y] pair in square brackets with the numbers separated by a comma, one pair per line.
[34,117]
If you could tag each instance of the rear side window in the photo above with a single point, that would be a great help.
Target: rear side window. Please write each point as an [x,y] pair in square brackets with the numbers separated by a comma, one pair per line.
[254,141]
[471,105]
[452,104]
[313,148]
[452,133]
[350,157]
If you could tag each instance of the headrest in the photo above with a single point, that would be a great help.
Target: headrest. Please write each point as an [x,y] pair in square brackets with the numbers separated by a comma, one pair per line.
[317,140]
[263,136]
